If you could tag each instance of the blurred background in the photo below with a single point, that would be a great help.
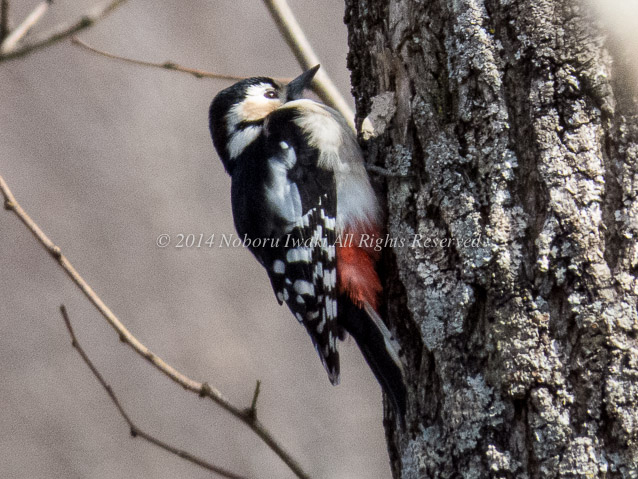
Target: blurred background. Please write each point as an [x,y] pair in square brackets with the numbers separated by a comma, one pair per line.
[105,157]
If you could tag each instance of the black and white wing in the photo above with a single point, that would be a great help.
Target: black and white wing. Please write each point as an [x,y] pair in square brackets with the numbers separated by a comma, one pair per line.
[302,269]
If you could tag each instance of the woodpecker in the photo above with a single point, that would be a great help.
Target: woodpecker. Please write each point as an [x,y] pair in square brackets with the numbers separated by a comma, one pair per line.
[301,195]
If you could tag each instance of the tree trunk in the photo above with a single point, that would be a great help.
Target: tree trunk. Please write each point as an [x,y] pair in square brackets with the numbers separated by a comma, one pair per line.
[516,309]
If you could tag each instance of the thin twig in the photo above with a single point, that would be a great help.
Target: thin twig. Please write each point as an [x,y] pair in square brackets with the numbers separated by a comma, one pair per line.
[168,65]
[379,170]
[136,431]
[63,31]
[11,41]
[322,84]
[253,406]
[4,19]
[300,46]
[203,389]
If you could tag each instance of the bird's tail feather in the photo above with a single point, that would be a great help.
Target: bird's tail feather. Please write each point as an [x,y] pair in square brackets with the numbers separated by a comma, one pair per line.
[379,349]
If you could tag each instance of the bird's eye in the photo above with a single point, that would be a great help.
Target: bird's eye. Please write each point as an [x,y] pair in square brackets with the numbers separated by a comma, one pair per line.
[271,94]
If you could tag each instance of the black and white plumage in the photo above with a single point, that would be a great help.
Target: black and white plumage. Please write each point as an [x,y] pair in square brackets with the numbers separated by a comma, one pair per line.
[298,177]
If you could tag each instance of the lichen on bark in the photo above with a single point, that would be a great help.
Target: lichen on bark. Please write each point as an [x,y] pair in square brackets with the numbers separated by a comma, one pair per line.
[520,139]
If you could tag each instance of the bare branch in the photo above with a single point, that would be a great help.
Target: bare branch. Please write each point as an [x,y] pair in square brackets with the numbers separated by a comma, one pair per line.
[168,65]
[291,30]
[12,39]
[253,406]
[136,431]
[4,19]
[202,389]
[63,31]
[300,46]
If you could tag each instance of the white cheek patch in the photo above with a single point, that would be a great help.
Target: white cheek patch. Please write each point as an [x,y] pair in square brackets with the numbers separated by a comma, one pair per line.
[258,108]
[239,140]
[254,107]
[233,118]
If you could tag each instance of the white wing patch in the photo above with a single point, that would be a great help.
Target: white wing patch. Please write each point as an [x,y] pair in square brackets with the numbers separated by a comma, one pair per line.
[304,287]
[282,193]
[279,267]
[330,278]
[340,153]
[299,254]
[323,130]
[308,284]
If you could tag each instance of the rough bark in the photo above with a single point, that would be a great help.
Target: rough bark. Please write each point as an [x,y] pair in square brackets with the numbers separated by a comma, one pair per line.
[521,139]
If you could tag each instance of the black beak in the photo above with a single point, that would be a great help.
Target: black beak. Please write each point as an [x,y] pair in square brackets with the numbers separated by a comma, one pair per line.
[295,88]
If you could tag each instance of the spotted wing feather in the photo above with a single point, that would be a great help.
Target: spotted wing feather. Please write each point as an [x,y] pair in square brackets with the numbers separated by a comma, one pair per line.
[303,275]
[303,268]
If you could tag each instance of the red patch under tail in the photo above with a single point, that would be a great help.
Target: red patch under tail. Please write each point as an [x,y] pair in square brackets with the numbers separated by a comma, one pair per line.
[356,275]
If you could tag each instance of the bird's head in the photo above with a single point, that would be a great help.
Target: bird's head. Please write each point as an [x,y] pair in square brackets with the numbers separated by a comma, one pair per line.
[237,113]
